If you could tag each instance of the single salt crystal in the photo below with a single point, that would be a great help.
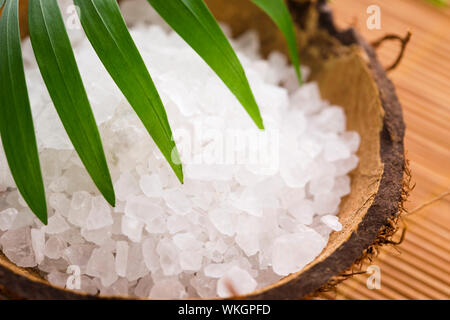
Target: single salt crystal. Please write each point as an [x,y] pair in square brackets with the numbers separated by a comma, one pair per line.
[176,224]
[151,185]
[205,287]
[60,203]
[331,119]
[88,285]
[186,241]
[54,247]
[352,140]
[344,166]
[168,289]
[336,149]
[38,244]
[235,281]
[178,202]
[216,270]
[56,224]
[7,218]
[169,257]
[17,247]
[143,287]
[224,220]
[48,265]
[136,265]
[332,222]
[151,258]
[97,236]
[57,278]
[326,203]
[142,209]
[24,218]
[132,228]
[118,288]
[99,215]
[79,254]
[323,180]
[157,225]
[342,186]
[291,252]
[126,186]
[79,208]
[121,258]
[191,260]
[307,97]
[302,211]
[101,265]
[249,243]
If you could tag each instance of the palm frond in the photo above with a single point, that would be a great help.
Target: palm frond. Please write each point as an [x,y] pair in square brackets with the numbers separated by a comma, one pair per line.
[59,70]
[16,122]
[109,36]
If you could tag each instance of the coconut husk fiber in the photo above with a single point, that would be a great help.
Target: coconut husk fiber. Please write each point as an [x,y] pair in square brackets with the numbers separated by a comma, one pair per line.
[349,75]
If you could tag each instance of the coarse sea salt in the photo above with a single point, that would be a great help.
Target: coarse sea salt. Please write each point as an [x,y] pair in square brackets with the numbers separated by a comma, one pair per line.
[237,223]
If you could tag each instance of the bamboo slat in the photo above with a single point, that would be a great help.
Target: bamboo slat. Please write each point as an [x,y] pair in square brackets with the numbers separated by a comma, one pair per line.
[419,268]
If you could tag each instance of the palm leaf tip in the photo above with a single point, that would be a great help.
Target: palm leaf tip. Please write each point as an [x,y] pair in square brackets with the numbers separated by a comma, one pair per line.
[194,22]
[280,15]
[16,121]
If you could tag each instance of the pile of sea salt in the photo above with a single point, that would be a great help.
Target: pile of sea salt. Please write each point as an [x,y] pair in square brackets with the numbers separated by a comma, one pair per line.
[233,227]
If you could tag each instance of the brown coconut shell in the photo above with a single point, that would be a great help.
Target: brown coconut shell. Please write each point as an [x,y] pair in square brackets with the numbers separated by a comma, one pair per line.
[349,75]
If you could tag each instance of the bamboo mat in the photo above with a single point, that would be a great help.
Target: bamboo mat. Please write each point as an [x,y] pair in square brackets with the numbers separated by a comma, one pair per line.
[419,268]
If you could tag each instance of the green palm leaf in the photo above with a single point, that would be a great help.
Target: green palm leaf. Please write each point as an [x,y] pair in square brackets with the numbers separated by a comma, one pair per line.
[59,70]
[109,36]
[16,122]
[279,13]
[193,21]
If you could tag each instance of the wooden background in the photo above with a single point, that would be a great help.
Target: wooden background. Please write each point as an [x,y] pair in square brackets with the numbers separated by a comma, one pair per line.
[419,268]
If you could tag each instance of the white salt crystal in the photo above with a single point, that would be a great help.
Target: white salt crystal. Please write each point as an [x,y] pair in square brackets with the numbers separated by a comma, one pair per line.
[38,244]
[326,203]
[169,257]
[332,222]
[132,228]
[7,218]
[99,215]
[57,278]
[168,289]
[186,241]
[121,258]
[54,247]
[191,260]
[17,247]
[291,252]
[143,287]
[151,258]
[176,224]
[101,264]
[79,208]
[126,186]
[178,202]
[79,254]
[142,209]
[217,270]
[235,281]
[302,211]
[151,185]
[60,202]
[56,224]
[136,265]
[97,236]
[224,220]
